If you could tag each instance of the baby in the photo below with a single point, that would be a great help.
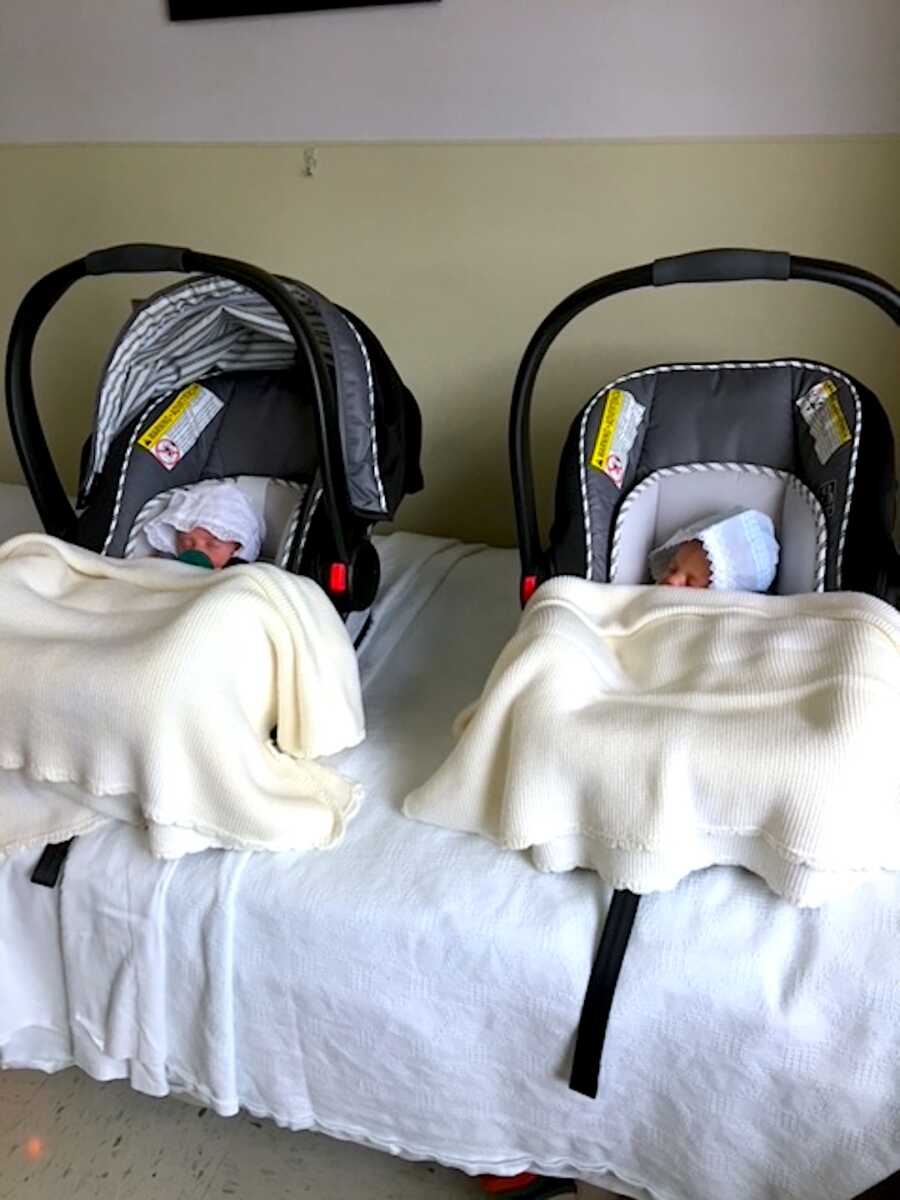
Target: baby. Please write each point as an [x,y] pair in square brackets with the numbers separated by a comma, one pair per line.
[208,524]
[737,551]
[201,542]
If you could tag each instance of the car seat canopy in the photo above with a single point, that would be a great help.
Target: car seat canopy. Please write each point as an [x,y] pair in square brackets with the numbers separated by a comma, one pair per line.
[204,382]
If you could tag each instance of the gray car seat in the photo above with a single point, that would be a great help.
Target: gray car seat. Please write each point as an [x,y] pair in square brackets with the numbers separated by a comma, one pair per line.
[658,448]
[234,373]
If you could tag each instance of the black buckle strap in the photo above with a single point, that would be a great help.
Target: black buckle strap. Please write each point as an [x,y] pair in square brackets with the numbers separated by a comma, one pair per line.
[49,865]
[601,988]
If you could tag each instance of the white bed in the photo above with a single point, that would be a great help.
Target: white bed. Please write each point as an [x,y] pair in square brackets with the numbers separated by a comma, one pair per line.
[418,990]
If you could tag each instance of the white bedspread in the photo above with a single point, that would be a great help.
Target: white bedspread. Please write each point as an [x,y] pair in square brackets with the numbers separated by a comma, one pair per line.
[648,732]
[418,991]
[147,691]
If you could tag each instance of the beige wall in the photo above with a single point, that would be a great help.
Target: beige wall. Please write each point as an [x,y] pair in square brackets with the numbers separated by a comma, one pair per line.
[454,252]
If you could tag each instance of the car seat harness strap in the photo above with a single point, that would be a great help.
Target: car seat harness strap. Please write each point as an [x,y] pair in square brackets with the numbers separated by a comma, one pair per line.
[50,864]
[601,988]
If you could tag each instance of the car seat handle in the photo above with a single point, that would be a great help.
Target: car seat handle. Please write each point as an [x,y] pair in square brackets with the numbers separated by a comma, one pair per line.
[721,266]
[135,258]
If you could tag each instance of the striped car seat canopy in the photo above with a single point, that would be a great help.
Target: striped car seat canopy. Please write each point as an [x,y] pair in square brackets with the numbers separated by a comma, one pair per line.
[204,382]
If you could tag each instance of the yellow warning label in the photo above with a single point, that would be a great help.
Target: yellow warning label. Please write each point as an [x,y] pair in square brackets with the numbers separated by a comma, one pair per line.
[607,430]
[836,417]
[167,419]
[821,409]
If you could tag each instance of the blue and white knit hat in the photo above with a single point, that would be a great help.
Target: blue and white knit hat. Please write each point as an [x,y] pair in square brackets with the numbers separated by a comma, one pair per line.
[741,547]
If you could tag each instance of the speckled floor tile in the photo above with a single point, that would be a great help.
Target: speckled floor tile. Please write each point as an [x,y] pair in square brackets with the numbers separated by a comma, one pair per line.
[86,1141]
[280,1165]
[17,1091]
[66,1137]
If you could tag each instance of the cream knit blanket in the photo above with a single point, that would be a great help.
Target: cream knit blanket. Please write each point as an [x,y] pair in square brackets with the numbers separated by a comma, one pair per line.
[147,691]
[648,732]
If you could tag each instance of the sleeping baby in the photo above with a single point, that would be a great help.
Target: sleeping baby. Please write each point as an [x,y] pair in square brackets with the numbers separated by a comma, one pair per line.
[735,552]
[209,525]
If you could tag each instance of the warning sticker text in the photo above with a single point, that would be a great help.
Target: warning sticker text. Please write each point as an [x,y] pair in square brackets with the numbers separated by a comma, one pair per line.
[619,426]
[821,409]
[176,429]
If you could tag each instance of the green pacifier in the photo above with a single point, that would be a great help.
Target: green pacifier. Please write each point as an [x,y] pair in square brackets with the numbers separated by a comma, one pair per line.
[196,558]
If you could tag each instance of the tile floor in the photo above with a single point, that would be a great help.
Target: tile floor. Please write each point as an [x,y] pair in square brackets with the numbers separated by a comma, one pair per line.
[66,1137]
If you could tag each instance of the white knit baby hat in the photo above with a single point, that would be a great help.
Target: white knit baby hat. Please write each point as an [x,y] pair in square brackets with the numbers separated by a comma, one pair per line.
[741,547]
[218,505]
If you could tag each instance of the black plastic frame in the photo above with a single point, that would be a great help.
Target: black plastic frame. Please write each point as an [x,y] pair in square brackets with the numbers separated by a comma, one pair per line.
[699,266]
[206,10]
[54,509]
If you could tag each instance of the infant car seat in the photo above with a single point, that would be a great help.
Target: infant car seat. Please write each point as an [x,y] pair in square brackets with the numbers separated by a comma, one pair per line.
[660,448]
[234,373]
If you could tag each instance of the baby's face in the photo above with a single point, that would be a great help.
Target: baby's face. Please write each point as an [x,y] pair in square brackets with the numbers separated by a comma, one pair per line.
[688,567]
[218,552]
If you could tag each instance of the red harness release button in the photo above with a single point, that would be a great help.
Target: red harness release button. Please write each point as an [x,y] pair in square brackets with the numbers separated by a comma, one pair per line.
[527,588]
[337,578]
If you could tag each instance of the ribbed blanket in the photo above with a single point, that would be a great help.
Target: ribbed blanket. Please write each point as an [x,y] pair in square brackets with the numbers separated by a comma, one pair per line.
[648,732]
[148,691]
